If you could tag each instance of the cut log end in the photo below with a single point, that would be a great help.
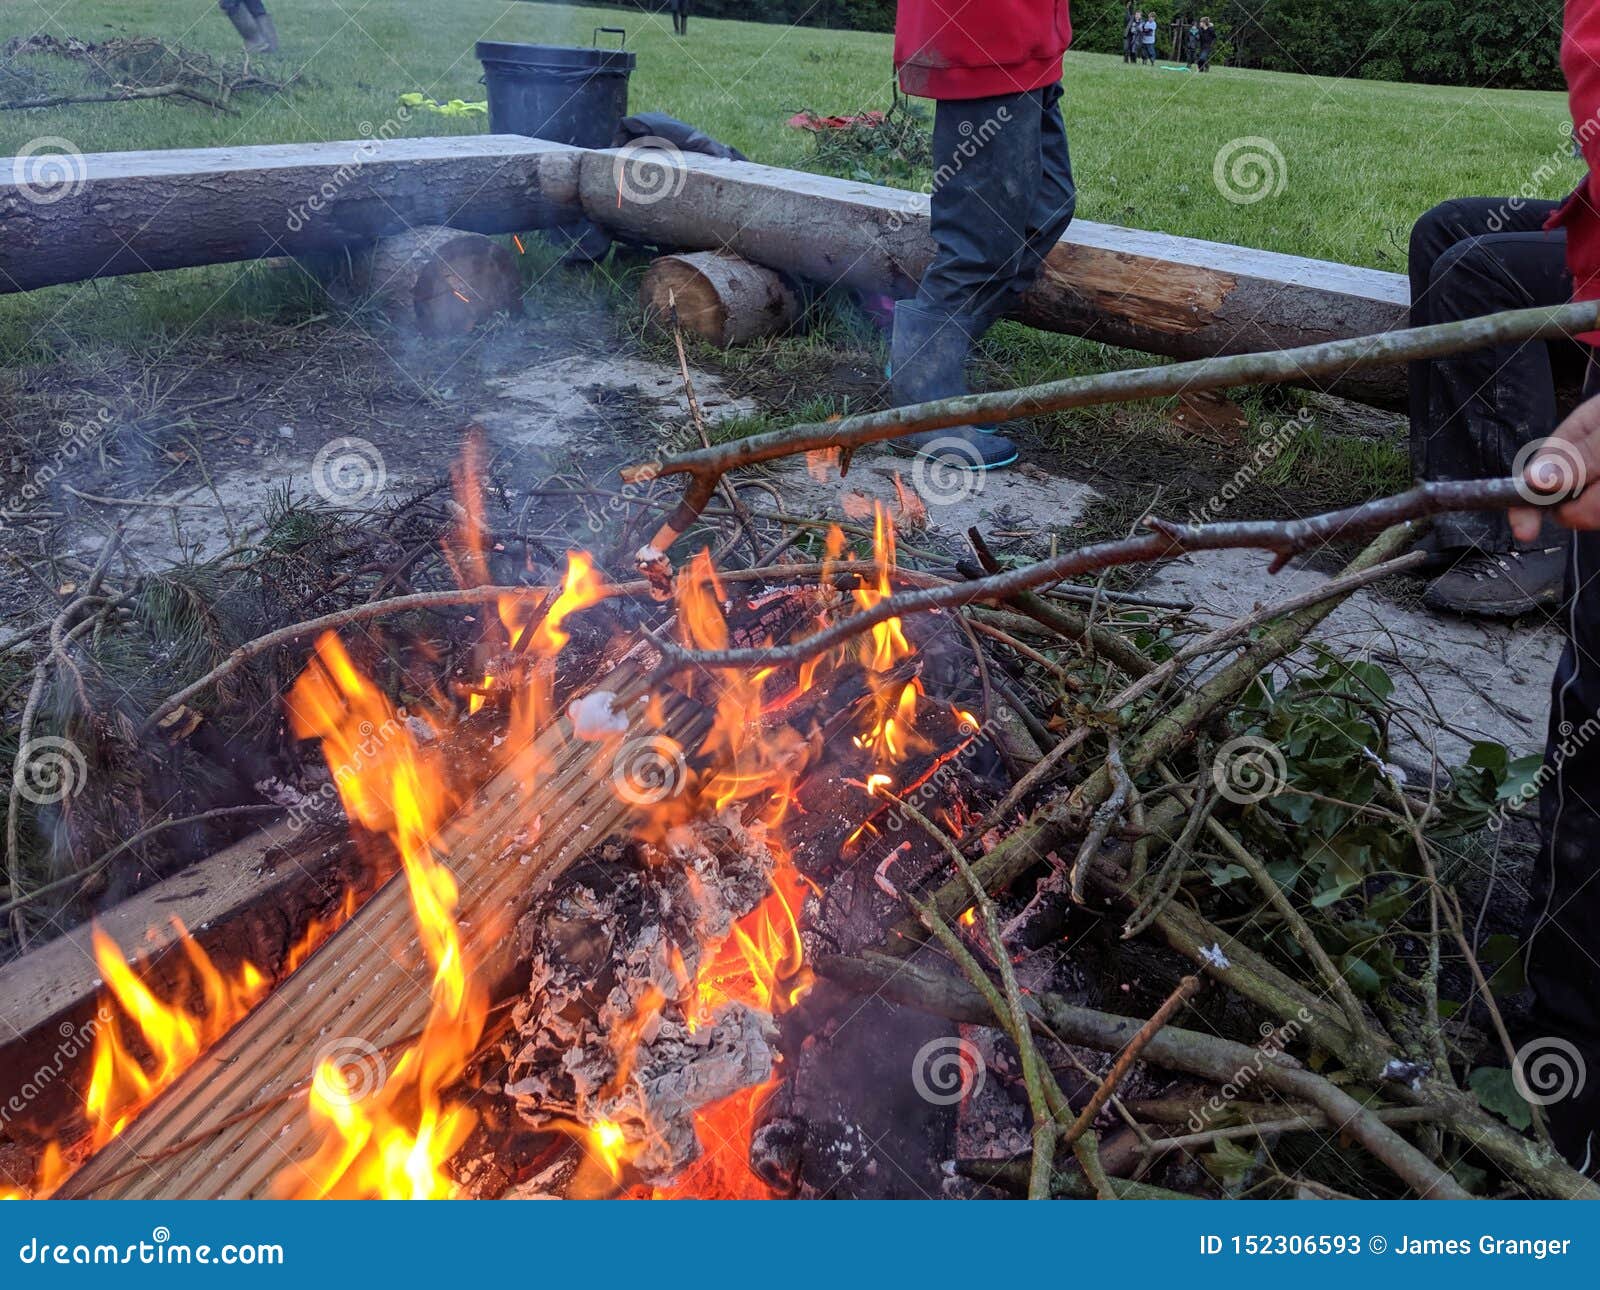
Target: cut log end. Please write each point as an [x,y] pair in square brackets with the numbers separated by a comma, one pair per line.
[444,281]
[718,297]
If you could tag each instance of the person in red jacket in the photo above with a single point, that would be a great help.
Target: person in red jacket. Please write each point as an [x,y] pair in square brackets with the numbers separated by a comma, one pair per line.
[1565,897]
[1002,190]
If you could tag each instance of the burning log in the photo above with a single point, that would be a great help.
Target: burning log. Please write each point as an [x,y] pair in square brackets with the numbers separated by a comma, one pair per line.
[356,1003]
[259,902]
[442,281]
[718,297]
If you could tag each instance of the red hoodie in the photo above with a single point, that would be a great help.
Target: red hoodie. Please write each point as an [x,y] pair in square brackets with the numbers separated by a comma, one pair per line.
[974,49]
[1580,216]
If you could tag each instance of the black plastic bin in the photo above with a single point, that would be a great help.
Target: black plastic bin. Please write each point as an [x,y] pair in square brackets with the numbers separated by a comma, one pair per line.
[564,93]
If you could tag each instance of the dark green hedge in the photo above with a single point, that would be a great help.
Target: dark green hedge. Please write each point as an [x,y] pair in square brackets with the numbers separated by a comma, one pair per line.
[1509,44]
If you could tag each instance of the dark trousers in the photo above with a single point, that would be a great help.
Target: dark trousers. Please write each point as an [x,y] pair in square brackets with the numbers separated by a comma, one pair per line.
[1562,929]
[680,17]
[1470,414]
[1147,51]
[1002,197]
[1129,43]
[255,7]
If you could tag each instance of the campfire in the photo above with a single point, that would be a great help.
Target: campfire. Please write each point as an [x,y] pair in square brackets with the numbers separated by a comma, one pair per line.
[662,961]
[659,872]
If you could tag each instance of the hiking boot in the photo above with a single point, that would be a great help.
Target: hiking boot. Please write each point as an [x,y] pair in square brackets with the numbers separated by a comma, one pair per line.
[249,31]
[963,447]
[928,358]
[1502,584]
[1440,558]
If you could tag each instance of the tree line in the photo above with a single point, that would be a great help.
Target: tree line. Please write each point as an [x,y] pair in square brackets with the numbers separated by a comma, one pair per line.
[1506,44]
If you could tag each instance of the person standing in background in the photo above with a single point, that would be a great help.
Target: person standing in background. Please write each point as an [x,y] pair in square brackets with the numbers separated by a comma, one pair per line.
[1132,21]
[680,17]
[253,23]
[1206,41]
[1002,192]
[1147,39]
[1191,43]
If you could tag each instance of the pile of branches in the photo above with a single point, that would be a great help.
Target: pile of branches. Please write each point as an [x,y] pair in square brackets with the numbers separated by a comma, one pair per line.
[121,69]
[103,796]
[1217,791]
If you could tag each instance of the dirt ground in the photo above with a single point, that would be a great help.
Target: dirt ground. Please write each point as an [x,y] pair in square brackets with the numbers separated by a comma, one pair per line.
[182,450]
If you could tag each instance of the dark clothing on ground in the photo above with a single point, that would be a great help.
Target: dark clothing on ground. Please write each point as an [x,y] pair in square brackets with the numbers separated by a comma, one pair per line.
[1471,414]
[1003,195]
[1564,903]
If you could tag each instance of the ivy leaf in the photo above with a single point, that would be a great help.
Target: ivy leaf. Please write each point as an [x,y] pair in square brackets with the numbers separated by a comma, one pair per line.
[1496,1092]
[1361,974]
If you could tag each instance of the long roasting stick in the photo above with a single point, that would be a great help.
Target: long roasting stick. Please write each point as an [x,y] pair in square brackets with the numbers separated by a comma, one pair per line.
[706,466]
[1164,541]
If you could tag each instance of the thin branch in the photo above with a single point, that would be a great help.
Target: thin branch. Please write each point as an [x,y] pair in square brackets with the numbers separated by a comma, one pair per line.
[1165,541]
[1339,357]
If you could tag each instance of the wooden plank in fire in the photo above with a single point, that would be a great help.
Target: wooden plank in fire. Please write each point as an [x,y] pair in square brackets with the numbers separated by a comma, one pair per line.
[233,1122]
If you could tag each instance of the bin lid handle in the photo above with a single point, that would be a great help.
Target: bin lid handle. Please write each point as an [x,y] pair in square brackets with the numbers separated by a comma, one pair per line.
[612,31]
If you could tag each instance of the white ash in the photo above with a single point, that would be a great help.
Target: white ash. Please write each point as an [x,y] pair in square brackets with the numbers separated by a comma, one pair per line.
[613,953]
[595,716]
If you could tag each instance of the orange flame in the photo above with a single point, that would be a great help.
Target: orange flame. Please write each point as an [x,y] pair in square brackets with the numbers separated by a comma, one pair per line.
[393,1142]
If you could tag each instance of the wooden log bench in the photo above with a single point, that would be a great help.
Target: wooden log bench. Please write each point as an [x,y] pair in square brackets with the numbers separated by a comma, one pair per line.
[1175,296]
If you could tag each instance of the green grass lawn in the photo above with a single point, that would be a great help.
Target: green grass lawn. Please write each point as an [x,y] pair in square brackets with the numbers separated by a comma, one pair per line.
[1362,158]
